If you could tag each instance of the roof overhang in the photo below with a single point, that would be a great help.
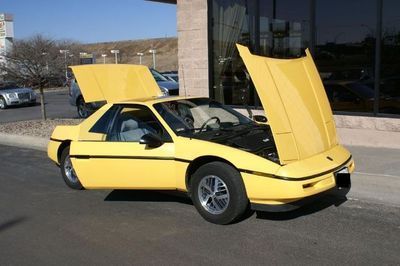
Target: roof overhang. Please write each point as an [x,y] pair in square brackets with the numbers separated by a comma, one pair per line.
[164,1]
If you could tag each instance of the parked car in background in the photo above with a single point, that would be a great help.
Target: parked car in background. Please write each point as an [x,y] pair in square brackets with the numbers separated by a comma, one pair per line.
[13,95]
[84,109]
[165,84]
[358,97]
[171,75]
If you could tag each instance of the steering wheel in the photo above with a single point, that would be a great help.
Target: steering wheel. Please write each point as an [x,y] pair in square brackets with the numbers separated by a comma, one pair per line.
[208,120]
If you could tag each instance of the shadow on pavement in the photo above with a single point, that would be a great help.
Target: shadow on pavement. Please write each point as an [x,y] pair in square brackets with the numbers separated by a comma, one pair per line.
[332,198]
[14,107]
[149,195]
[10,223]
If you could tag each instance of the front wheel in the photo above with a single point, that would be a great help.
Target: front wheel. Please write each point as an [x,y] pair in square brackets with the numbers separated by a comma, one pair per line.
[218,193]
[83,108]
[68,172]
[3,104]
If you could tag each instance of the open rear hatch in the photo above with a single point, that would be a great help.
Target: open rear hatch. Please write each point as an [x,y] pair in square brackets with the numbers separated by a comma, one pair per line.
[295,103]
[115,83]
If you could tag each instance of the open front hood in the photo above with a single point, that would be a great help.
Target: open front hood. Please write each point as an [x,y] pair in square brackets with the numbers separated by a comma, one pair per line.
[295,103]
[114,83]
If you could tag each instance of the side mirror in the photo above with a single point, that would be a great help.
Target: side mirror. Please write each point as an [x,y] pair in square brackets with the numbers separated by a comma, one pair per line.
[260,119]
[151,140]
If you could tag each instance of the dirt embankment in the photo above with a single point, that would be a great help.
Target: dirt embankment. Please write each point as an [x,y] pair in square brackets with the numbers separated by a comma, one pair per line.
[35,128]
[166,56]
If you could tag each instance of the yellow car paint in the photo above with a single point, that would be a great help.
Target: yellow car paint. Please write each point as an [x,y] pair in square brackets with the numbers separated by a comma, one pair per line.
[301,122]
[117,82]
[295,102]
[52,150]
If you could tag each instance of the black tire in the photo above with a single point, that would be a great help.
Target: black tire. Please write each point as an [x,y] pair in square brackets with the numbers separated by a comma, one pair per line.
[71,181]
[82,108]
[3,103]
[235,204]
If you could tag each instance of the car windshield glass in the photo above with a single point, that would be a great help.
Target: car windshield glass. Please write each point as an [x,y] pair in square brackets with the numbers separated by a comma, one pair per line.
[191,117]
[8,87]
[157,76]
[362,90]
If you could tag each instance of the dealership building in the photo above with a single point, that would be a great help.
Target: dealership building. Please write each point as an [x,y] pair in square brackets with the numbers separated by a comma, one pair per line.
[355,45]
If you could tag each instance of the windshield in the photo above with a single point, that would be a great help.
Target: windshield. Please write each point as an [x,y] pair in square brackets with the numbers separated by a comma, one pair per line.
[191,117]
[8,86]
[157,76]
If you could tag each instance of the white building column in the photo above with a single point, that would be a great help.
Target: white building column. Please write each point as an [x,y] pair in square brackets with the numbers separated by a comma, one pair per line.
[192,19]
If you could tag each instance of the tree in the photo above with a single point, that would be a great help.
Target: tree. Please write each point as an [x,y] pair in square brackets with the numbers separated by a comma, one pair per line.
[34,62]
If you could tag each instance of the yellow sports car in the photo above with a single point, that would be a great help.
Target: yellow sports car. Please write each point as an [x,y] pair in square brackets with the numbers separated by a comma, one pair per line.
[223,159]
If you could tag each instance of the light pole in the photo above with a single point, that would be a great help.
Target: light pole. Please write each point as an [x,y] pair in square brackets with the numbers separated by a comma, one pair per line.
[71,59]
[104,58]
[153,52]
[47,62]
[115,52]
[65,52]
[140,57]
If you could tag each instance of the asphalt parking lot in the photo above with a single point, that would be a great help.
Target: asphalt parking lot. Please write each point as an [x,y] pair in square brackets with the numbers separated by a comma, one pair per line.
[44,222]
[57,106]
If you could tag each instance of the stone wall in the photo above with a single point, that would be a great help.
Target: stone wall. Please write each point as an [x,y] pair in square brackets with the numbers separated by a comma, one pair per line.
[193,47]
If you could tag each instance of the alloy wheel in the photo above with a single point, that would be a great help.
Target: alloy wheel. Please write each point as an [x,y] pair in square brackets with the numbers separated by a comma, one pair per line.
[69,170]
[213,194]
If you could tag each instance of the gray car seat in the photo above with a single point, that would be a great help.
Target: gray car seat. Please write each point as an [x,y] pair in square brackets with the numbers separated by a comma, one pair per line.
[130,131]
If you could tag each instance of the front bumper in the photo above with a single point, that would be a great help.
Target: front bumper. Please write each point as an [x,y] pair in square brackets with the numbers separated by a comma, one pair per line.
[291,206]
[284,194]
[16,101]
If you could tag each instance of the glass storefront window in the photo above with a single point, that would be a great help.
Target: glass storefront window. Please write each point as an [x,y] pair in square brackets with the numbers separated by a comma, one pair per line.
[266,27]
[341,34]
[230,25]
[345,50]
[390,62]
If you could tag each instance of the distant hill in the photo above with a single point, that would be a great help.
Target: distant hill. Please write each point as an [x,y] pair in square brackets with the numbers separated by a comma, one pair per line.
[166,57]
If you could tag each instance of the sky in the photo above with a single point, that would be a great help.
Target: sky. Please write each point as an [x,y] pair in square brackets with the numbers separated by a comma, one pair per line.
[89,21]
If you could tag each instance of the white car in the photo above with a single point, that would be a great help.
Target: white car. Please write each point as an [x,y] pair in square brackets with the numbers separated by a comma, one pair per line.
[11,95]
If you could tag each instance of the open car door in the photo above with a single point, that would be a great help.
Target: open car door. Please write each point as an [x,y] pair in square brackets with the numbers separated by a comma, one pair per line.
[295,103]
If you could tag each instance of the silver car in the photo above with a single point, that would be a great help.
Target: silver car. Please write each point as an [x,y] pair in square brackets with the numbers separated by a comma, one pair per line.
[11,95]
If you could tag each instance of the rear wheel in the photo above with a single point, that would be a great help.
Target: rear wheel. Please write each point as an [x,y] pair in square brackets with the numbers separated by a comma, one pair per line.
[68,172]
[218,193]
[83,108]
[3,104]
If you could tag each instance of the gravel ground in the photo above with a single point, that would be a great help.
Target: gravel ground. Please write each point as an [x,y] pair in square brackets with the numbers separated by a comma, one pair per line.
[36,128]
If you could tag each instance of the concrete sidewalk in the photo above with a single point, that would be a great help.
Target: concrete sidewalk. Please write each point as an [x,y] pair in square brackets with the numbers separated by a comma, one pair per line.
[377,175]
[21,141]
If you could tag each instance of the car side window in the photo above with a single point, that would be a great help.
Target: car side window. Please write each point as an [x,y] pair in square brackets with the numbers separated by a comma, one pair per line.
[133,122]
[102,125]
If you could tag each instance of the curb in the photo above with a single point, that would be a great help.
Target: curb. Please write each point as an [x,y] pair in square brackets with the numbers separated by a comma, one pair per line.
[22,141]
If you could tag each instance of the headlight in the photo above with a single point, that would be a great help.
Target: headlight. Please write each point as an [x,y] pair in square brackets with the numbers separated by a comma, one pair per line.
[164,91]
[12,95]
